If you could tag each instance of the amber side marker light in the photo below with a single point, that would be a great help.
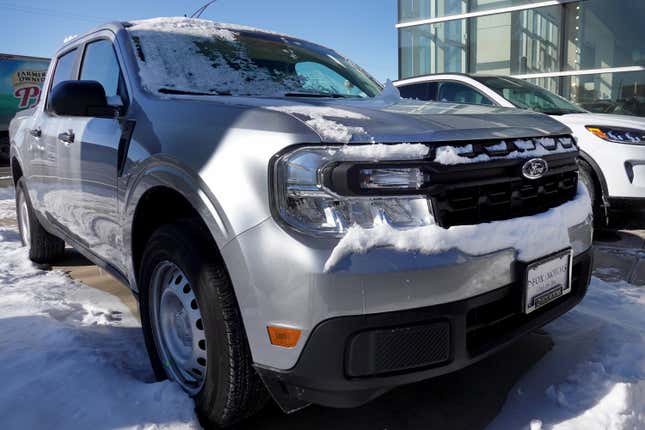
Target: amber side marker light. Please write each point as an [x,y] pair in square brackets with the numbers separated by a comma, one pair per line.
[284,336]
[598,132]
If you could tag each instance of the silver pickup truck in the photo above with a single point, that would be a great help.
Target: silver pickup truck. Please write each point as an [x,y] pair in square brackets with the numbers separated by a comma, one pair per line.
[291,227]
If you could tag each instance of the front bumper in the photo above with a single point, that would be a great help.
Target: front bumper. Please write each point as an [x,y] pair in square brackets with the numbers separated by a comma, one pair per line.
[347,361]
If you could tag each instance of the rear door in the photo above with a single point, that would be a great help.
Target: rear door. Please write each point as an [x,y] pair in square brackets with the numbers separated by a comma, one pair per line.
[88,159]
[42,140]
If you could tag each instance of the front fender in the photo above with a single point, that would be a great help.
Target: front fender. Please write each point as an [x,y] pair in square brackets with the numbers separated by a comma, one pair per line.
[162,171]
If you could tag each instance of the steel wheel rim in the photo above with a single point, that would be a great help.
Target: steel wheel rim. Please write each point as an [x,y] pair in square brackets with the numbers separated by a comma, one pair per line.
[23,219]
[178,327]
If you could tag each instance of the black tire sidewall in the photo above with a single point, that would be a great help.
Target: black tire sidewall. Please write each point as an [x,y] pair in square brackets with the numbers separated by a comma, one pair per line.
[183,245]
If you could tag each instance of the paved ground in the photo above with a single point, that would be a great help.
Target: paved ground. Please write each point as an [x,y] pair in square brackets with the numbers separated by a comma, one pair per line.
[480,389]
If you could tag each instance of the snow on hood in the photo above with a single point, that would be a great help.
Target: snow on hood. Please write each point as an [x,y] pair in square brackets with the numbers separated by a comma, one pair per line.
[317,117]
[532,237]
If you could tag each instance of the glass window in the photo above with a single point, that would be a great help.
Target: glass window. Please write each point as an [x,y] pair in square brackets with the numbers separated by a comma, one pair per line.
[412,10]
[617,93]
[64,68]
[435,48]
[520,42]
[602,34]
[525,95]
[422,91]
[100,64]
[478,5]
[318,78]
[454,92]
[236,62]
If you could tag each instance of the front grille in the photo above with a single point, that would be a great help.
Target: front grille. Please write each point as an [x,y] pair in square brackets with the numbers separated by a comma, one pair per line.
[501,199]
[378,352]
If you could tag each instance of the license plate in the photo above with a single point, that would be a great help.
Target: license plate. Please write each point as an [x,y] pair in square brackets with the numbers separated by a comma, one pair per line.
[547,280]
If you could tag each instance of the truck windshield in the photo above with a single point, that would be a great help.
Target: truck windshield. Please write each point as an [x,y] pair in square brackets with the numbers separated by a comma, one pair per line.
[200,57]
[528,96]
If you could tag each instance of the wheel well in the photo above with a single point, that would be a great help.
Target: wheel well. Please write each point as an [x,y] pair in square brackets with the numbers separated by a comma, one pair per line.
[157,207]
[16,170]
[594,176]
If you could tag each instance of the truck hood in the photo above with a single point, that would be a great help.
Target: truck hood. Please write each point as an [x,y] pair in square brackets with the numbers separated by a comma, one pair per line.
[404,120]
[601,119]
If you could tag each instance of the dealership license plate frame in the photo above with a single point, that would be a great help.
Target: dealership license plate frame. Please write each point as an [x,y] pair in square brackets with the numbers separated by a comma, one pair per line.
[537,296]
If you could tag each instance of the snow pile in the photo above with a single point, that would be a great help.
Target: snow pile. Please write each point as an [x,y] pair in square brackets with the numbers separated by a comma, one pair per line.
[327,129]
[594,378]
[532,237]
[198,55]
[72,357]
[390,93]
[450,155]
[380,152]
[7,203]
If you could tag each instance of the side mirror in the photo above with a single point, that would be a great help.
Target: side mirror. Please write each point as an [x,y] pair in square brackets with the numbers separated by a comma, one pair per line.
[80,98]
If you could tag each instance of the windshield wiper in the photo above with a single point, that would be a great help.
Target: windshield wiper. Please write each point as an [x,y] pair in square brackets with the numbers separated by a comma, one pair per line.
[191,93]
[319,95]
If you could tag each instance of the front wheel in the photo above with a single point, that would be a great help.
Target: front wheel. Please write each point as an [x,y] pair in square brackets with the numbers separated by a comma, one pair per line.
[43,246]
[193,327]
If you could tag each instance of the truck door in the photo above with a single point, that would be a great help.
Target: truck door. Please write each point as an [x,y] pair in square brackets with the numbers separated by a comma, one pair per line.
[42,143]
[87,151]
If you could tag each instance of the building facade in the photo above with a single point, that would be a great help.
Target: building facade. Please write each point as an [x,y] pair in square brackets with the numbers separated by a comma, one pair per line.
[589,51]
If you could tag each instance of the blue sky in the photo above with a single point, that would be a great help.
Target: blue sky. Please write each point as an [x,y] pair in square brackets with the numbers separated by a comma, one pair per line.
[361,30]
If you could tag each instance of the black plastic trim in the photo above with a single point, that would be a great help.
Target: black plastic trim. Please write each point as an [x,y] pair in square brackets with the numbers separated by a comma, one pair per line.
[320,377]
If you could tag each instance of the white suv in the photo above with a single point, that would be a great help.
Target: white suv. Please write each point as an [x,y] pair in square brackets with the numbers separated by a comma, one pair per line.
[612,147]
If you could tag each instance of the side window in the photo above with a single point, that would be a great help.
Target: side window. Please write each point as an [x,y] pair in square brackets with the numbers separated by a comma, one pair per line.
[422,91]
[100,64]
[454,92]
[64,68]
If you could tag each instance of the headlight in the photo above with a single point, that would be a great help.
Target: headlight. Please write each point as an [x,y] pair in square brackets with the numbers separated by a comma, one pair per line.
[323,191]
[619,135]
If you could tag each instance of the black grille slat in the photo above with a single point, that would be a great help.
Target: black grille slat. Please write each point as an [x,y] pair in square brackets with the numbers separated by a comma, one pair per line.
[509,198]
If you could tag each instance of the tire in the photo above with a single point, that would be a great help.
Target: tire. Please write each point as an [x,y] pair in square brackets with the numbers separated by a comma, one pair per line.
[44,247]
[230,390]
[587,177]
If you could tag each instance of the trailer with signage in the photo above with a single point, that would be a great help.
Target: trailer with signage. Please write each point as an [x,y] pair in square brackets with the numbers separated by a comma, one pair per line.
[21,80]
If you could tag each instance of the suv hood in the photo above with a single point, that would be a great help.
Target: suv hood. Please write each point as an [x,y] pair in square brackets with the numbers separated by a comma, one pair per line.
[404,120]
[602,119]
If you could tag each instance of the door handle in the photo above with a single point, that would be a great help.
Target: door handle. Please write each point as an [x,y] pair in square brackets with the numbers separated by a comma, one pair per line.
[36,132]
[67,137]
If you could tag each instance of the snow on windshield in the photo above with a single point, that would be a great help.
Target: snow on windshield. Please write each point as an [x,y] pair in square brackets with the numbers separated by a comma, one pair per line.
[174,53]
[201,56]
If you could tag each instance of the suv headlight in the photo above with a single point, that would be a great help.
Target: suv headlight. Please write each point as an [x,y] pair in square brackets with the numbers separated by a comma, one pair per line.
[619,134]
[323,191]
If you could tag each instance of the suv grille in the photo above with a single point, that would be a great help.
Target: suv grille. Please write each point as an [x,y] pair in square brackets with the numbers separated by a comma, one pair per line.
[475,193]
[504,200]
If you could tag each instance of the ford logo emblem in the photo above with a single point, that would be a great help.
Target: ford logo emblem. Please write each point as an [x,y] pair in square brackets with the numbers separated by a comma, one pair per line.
[535,168]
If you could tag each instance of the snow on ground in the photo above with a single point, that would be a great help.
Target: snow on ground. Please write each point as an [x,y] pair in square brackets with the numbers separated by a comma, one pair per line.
[594,378]
[72,357]
[7,203]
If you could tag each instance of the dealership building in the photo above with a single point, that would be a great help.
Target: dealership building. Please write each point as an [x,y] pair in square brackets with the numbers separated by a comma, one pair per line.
[589,51]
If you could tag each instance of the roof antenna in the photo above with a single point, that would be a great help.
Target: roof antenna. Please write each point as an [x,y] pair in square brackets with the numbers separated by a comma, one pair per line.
[201,10]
